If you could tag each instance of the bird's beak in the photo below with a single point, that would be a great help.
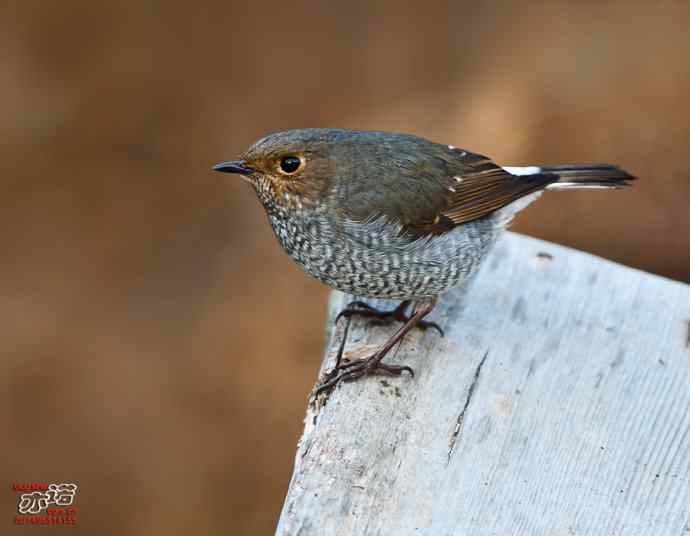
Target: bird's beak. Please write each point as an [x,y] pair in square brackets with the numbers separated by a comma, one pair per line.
[234,166]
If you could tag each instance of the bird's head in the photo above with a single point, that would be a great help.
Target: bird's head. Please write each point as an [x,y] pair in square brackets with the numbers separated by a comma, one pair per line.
[291,168]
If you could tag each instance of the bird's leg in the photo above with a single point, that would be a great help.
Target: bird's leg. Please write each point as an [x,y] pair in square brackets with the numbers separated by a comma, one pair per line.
[339,356]
[352,370]
[363,309]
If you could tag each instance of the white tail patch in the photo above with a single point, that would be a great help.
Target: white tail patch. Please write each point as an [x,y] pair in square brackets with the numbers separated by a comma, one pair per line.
[524,170]
[578,186]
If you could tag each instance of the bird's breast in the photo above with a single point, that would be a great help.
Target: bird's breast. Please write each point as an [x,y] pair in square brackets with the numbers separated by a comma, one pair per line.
[375,258]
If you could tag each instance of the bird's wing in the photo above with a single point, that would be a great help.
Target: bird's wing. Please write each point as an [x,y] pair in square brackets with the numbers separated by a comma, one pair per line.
[480,187]
[430,188]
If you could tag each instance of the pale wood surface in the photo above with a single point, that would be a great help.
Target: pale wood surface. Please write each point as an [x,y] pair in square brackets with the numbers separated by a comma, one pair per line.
[557,403]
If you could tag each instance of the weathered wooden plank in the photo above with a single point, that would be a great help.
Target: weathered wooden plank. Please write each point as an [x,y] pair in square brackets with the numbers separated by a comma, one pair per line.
[557,403]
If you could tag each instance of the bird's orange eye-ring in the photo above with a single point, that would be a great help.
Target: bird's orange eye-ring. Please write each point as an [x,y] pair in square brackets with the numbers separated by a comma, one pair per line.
[290,164]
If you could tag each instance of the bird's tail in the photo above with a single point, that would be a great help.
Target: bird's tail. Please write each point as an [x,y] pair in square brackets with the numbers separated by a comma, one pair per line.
[565,177]
[579,176]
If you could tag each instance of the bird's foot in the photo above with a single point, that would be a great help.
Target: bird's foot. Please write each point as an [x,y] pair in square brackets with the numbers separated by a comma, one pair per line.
[399,314]
[345,370]
[352,370]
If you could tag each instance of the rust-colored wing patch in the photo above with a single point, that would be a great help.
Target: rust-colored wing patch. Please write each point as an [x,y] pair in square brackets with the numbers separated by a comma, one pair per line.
[477,195]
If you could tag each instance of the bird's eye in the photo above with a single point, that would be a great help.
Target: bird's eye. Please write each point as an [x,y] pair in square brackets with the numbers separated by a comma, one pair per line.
[290,164]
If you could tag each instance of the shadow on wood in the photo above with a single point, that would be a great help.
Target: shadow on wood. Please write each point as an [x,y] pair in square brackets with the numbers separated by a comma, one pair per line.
[557,403]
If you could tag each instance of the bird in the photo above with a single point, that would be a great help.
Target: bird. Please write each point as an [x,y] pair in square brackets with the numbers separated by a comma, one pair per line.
[394,216]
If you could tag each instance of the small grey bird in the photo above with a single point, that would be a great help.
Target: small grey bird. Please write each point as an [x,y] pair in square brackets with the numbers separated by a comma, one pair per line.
[395,216]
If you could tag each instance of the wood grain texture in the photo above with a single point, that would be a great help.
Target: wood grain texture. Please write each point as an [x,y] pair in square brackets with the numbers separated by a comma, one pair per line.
[557,403]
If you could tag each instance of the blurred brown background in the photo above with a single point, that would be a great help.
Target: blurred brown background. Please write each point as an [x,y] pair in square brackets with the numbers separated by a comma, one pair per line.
[157,346]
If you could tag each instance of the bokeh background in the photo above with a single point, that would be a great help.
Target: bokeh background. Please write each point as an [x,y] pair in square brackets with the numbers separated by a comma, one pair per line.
[157,346]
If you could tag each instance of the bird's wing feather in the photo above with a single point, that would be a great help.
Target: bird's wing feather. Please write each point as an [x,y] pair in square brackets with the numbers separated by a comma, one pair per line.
[430,188]
[474,187]
[483,187]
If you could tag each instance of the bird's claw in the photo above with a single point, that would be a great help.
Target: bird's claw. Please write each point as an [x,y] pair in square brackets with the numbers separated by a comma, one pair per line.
[352,370]
[384,317]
